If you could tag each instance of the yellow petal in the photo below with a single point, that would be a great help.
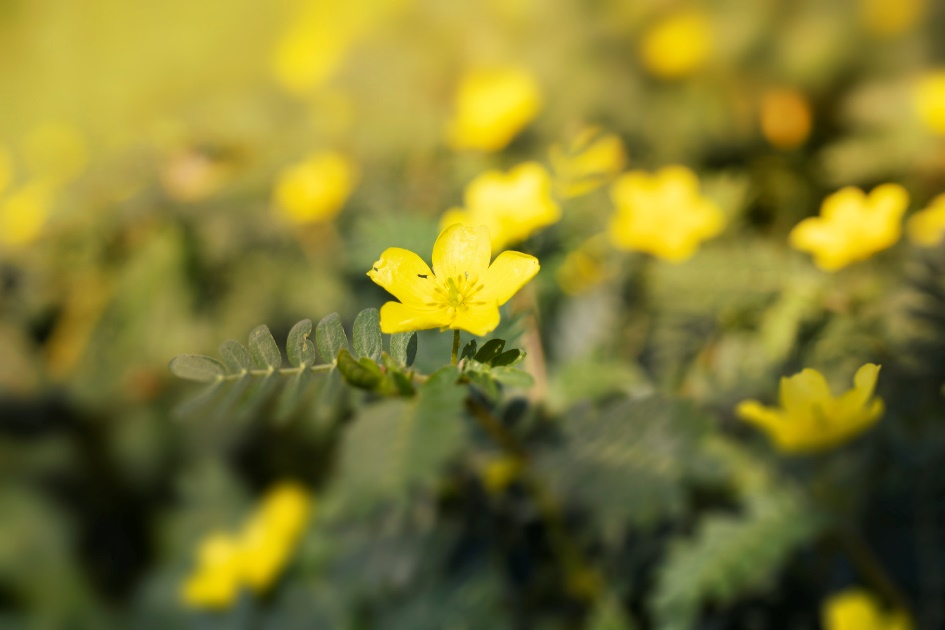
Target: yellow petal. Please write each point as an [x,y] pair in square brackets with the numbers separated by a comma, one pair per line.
[509,272]
[479,321]
[754,412]
[405,276]
[397,317]
[889,199]
[802,392]
[461,250]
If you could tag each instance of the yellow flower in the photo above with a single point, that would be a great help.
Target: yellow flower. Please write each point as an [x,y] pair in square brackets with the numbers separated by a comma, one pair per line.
[810,419]
[855,609]
[589,161]
[785,118]
[226,564]
[852,226]
[663,214]
[462,292]
[512,206]
[24,212]
[678,45]
[887,18]
[492,106]
[929,98]
[926,228]
[316,189]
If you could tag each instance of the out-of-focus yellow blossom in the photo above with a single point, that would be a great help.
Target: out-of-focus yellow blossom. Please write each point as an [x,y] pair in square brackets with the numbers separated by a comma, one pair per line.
[852,226]
[316,189]
[499,472]
[23,214]
[492,106]
[585,267]
[678,45]
[461,292]
[810,419]
[663,213]
[929,96]
[512,206]
[785,118]
[887,18]
[6,169]
[588,162]
[855,609]
[253,559]
[55,152]
[926,228]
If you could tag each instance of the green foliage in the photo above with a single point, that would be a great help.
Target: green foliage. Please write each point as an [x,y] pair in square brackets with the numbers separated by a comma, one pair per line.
[367,335]
[403,348]
[330,337]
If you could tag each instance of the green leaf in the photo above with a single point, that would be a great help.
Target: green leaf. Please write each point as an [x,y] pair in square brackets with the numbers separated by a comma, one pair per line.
[513,377]
[264,349]
[403,348]
[490,350]
[330,337]
[367,334]
[197,367]
[299,347]
[509,357]
[236,356]
[363,373]
[469,350]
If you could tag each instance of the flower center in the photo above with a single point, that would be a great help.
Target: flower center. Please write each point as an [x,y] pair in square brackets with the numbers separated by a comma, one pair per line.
[457,293]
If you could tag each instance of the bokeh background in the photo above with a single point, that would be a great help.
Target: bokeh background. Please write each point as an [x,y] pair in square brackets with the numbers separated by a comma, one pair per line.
[173,174]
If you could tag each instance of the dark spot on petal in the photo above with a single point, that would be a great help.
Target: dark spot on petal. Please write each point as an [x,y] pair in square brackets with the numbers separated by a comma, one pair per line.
[422,275]
[376,269]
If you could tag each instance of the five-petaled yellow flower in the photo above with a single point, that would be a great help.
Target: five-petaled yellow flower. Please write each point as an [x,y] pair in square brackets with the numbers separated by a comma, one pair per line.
[512,206]
[926,228]
[852,226]
[810,419]
[492,106]
[678,45]
[461,292]
[855,609]
[252,559]
[663,214]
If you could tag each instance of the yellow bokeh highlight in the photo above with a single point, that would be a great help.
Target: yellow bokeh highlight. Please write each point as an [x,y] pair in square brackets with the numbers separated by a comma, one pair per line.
[926,228]
[590,160]
[785,118]
[316,189]
[498,473]
[810,418]
[663,213]
[678,45]
[254,558]
[856,609]
[24,213]
[929,99]
[492,106]
[852,226]
[512,205]
[55,152]
[586,267]
[888,18]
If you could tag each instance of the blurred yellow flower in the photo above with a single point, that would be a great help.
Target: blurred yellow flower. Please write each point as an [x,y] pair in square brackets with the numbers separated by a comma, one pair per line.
[810,419]
[23,214]
[926,228]
[663,213]
[512,206]
[678,45]
[887,18]
[855,609]
[852,226]
[462,292]
[55,152]
[492,106]
[316,189]
[589,161]
[585,267]
[226,564]
[785,118]
[929,96]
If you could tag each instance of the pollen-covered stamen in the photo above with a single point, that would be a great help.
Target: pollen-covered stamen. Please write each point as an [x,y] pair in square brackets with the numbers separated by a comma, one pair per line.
[457,293]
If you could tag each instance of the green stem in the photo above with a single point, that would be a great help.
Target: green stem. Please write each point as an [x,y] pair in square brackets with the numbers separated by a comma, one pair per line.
[455,355]
[328,367]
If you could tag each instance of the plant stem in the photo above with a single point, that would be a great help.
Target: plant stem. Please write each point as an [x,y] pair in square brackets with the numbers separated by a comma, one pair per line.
[455,355]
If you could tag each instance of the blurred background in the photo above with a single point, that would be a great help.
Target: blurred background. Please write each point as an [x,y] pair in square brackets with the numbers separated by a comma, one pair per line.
[173,174]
